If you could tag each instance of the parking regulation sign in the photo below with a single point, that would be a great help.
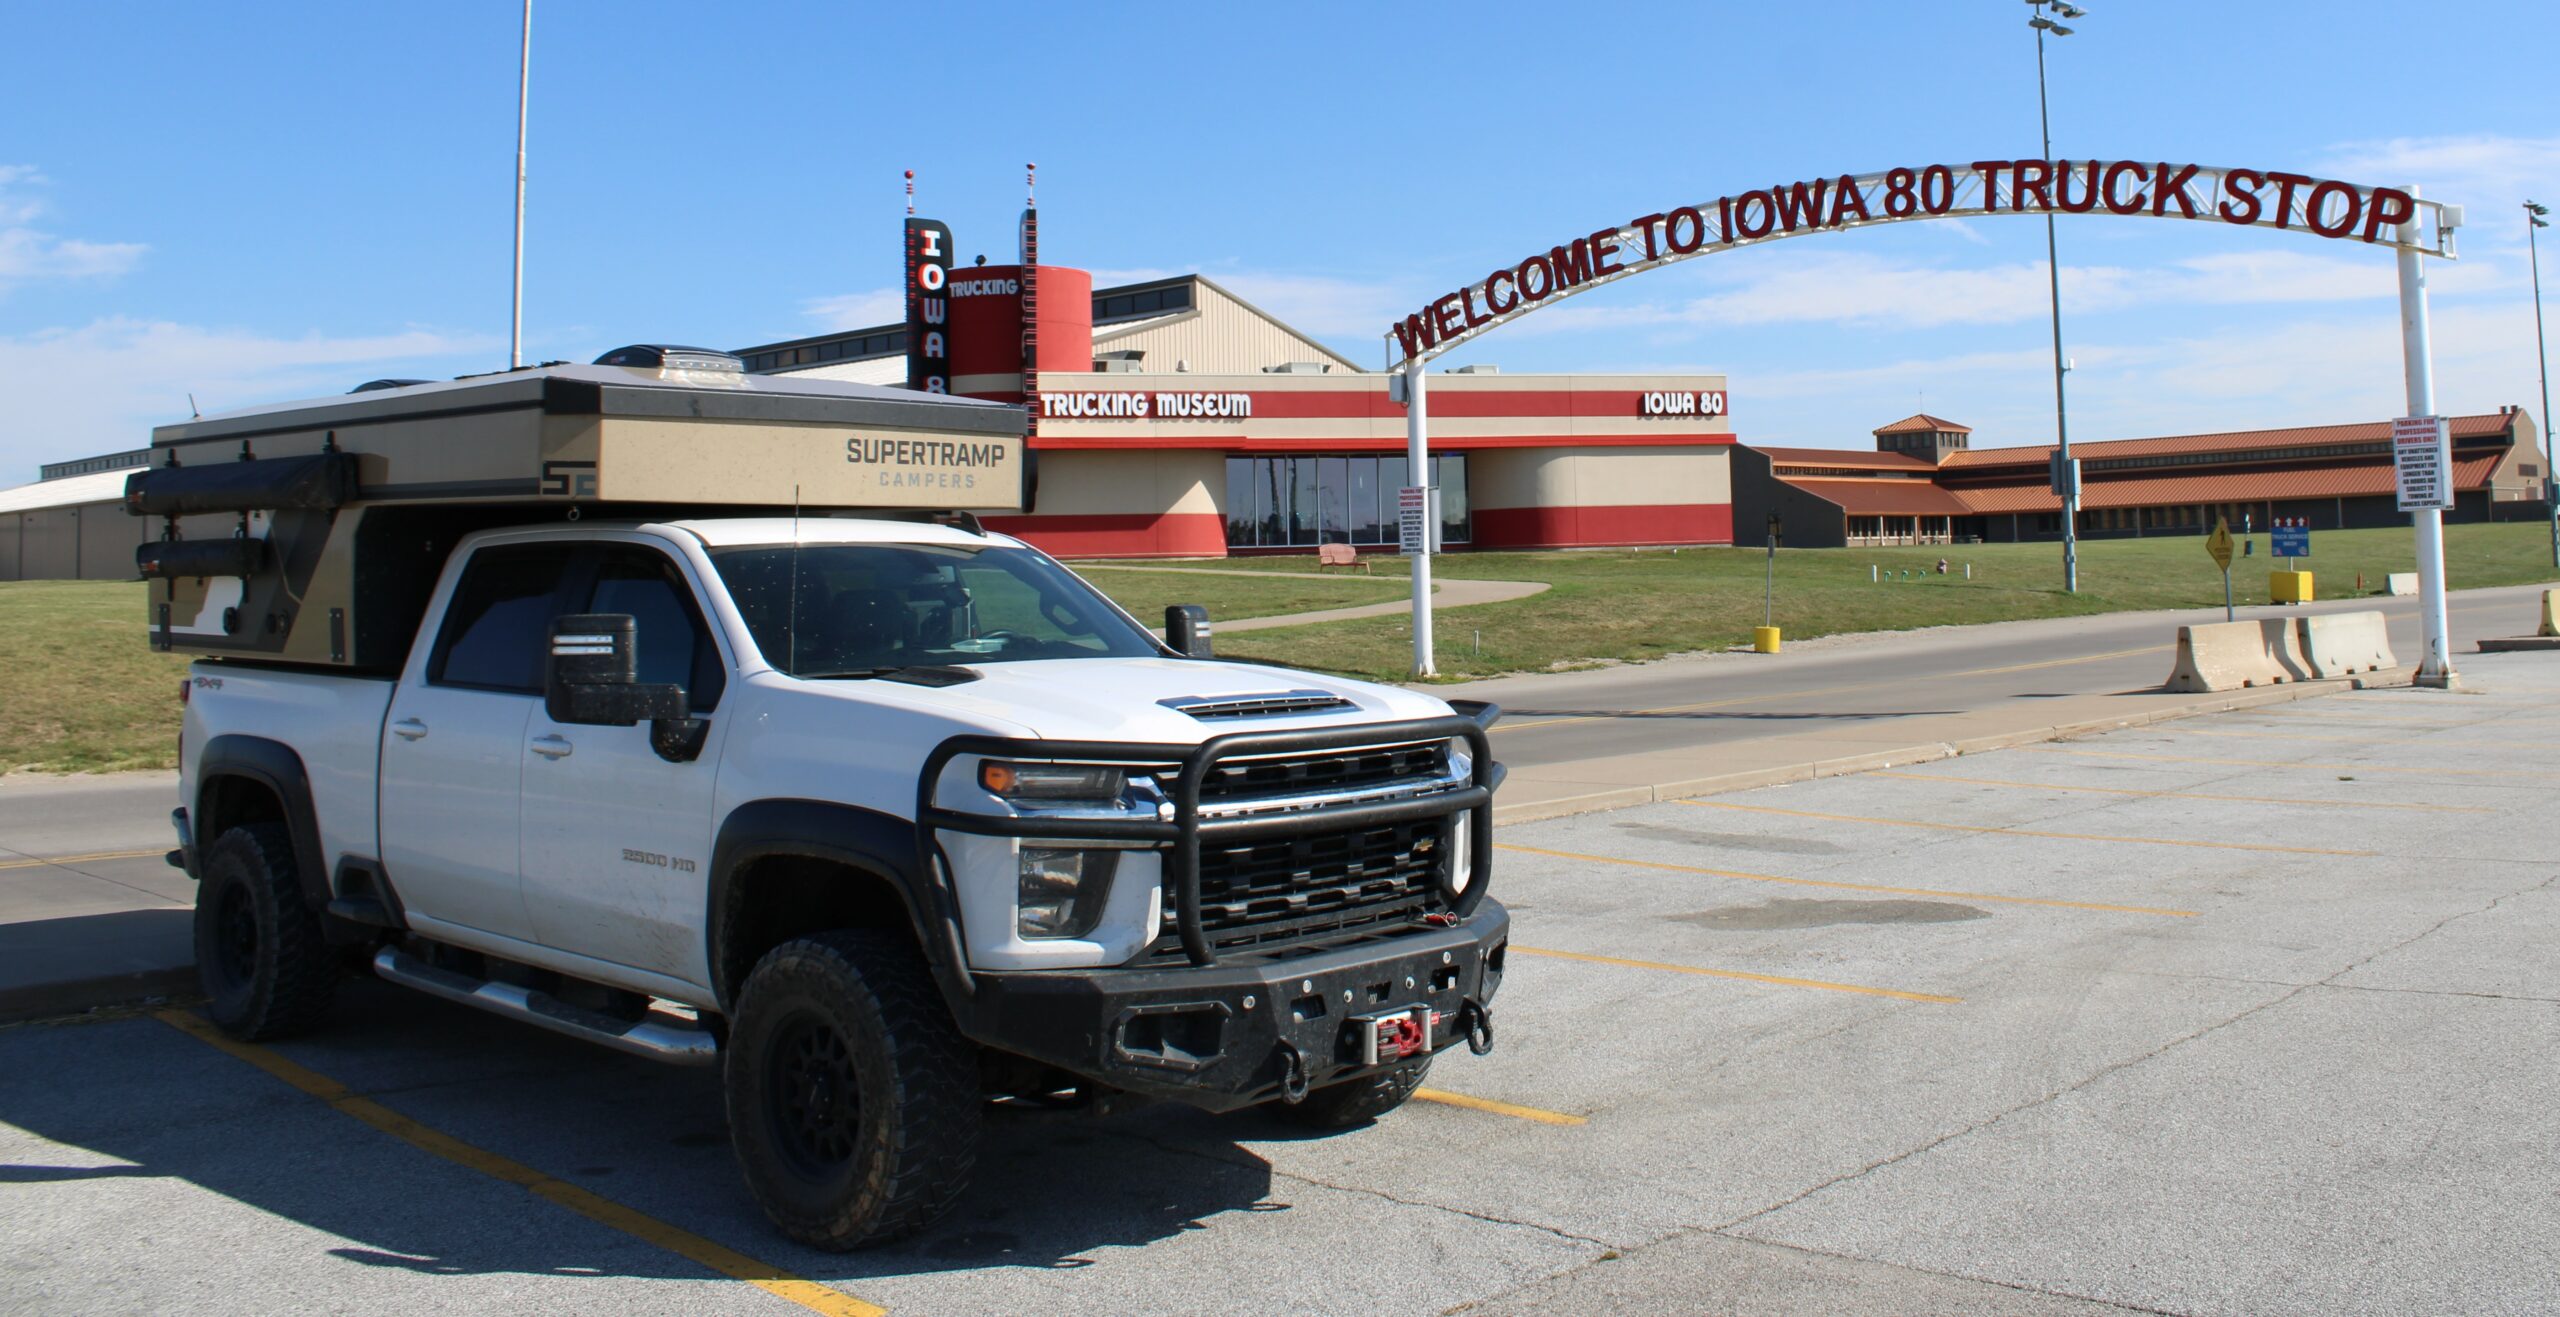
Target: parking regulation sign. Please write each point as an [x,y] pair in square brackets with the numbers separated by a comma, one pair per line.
[2422,453]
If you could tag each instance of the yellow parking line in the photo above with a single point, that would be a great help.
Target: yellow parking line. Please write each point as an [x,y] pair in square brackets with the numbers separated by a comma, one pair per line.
[2018,832]
[2509,774]
[1778,979]
[604,1211]
[1497,1108]
[44,861]
[1826,690]
[1850,887]
[2184,795]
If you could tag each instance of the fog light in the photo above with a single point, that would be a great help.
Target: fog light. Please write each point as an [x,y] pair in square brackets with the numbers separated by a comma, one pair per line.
[1061,892]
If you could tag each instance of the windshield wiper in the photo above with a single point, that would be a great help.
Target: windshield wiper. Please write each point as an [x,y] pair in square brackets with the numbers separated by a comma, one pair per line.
[914,674]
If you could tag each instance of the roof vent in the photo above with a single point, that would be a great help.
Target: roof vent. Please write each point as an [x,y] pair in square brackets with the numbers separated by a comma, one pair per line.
[1299,368]
[1120,363]
[1478,369]
[374,386]
[1274,705]
[662,356]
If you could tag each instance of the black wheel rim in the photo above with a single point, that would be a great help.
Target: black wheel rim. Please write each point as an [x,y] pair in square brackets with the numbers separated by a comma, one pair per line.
[813,1102]
[235,936]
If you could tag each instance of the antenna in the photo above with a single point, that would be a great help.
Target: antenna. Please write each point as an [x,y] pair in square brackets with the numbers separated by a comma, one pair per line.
[1030,181]
[194,412]
[911,194]
[791,625]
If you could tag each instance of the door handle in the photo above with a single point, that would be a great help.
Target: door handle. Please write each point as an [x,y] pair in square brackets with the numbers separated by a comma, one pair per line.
[552,747]
[408,729]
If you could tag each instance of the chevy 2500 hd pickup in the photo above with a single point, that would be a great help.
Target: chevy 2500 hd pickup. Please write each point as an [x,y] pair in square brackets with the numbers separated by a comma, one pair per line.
[889,815]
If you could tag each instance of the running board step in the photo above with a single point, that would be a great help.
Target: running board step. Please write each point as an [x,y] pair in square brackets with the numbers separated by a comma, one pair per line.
[658,1042]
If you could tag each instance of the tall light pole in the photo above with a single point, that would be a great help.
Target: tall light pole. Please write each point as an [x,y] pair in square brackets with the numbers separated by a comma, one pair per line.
[2533,219]
[524,95]
[2066,475]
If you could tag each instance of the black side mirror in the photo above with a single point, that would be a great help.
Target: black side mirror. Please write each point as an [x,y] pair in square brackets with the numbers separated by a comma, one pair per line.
[1186,629]
[593,680]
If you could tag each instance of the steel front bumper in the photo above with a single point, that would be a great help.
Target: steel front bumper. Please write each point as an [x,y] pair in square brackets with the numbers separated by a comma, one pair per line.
[1240,1032]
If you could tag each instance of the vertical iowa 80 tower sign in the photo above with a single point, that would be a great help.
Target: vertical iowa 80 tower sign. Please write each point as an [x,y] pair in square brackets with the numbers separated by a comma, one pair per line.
[928,305]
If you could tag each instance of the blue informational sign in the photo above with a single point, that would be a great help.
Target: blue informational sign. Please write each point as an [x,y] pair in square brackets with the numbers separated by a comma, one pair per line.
[2290,537]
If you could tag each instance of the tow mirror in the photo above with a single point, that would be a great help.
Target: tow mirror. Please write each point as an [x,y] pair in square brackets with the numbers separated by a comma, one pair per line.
[1186,629]
[593,680]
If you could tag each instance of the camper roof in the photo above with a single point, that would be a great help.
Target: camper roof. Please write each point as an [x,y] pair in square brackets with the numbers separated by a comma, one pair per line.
[616,391]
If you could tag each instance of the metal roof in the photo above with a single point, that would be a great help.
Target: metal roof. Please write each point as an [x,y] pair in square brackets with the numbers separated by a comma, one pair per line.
[70,491]
[2305,436]
[1844,457]
[1892,498]
[1923,423]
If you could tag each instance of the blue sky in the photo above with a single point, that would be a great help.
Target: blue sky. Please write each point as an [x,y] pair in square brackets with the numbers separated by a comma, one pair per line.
[262,202]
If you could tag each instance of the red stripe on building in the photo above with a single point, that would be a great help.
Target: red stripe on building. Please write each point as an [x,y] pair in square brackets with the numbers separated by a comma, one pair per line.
[1569,527]
[1121,535]
[1334,404]
[1240,443]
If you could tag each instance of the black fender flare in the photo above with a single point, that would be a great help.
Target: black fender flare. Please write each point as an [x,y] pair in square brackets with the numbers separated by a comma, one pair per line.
[865,839]
[273,765]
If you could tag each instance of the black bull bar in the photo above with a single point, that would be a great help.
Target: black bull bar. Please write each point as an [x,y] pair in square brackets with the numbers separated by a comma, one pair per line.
[1183,836]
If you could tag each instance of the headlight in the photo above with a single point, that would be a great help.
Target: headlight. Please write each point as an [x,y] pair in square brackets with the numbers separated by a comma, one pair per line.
[1061,892]
[1051,781]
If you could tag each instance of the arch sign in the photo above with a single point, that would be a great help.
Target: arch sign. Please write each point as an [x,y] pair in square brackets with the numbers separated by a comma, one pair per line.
[2392,218]
[2259,198]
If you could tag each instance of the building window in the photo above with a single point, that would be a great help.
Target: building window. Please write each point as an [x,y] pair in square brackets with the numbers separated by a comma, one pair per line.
[1299,502]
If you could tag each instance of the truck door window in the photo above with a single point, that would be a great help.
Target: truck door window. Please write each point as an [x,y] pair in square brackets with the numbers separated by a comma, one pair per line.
[675,647]
[497,629]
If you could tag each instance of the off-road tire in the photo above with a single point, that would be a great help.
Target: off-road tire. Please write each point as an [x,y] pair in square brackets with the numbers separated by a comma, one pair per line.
[855,1006]
[266,967]
[1357,1101]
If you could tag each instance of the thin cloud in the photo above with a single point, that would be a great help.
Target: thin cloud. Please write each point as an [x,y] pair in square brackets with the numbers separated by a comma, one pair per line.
[863,310]
[28,253]
[102,386]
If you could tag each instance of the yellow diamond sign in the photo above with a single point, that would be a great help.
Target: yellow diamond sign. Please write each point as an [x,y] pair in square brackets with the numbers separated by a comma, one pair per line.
[2219,544]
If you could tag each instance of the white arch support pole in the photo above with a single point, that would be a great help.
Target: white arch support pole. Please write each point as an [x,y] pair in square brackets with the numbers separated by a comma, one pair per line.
[2435,663]
[1417,457]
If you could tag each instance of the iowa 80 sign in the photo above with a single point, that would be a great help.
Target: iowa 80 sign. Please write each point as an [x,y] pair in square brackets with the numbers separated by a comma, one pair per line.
[2264,198]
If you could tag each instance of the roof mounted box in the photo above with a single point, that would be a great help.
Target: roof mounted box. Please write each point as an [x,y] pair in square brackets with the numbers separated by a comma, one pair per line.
[358,497]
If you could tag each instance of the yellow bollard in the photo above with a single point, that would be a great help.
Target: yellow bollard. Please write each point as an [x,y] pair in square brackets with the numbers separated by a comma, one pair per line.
[2289,587]
[1764,640]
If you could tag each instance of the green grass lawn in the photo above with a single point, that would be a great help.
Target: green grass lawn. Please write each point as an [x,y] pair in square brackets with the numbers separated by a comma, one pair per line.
[1620,605]
[80,689]
[1232,598]
[84,692]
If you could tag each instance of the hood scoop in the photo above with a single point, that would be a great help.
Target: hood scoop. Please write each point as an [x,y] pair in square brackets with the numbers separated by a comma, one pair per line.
[1273,705]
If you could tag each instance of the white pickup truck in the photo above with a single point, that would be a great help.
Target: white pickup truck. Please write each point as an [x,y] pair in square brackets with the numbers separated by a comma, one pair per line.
[893,819]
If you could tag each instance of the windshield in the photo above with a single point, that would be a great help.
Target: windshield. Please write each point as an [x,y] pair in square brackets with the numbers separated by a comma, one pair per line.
[859,609]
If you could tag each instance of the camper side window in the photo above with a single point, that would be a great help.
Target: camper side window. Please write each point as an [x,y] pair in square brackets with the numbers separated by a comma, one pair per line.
[497,629]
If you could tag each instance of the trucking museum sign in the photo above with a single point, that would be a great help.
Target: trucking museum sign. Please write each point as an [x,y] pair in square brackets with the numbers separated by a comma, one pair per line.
[2264,198]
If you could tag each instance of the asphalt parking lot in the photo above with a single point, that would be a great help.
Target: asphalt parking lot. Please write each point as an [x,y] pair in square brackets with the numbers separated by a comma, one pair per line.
[2254,1013]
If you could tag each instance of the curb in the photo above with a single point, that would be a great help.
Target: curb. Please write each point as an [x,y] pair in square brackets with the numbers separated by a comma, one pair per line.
[40,1001]
[1930,751]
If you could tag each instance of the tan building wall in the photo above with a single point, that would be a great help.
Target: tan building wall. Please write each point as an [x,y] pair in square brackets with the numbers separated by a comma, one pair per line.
[1223,334]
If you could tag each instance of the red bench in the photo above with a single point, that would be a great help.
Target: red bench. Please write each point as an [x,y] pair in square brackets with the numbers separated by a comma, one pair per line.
[1339,555]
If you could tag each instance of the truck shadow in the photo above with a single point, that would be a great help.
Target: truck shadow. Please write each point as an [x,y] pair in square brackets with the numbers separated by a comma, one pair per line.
[137,1102]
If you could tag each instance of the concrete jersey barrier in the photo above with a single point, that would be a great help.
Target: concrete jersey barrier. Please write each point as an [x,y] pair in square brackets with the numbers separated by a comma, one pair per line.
[2343,644]
[2223,656]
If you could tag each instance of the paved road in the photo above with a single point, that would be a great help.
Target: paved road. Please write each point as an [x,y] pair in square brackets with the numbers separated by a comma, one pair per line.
[1872,684]
[2246,1014]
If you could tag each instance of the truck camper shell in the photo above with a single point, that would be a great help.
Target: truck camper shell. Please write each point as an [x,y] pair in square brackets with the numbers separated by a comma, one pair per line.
[312,532]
